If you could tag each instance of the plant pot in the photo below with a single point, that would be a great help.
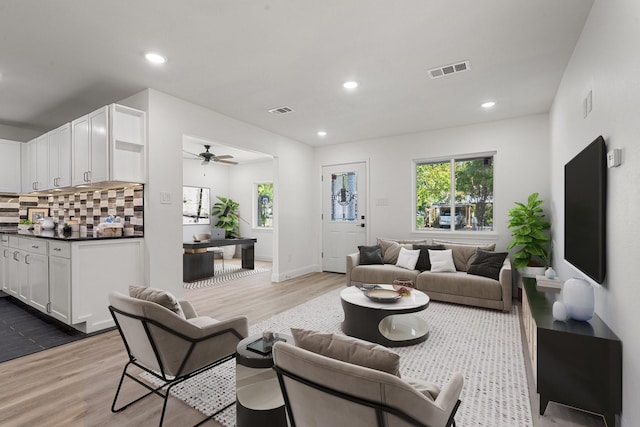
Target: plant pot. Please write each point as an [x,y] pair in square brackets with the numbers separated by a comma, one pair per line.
[531,271]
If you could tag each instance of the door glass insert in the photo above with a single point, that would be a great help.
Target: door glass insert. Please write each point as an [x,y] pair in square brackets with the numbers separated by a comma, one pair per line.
[344,197]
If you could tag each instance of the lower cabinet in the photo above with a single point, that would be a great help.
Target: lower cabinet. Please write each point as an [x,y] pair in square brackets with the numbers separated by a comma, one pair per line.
[71,281]
[60,281]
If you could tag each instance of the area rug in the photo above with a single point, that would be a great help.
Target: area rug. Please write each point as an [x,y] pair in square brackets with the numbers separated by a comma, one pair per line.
[484,345]
[23,331]
[230,272]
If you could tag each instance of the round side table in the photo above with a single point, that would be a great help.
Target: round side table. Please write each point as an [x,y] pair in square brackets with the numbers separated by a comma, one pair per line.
[259,400]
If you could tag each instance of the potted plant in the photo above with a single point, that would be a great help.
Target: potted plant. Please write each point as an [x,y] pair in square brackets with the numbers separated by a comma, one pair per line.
[528,227]
[226,210]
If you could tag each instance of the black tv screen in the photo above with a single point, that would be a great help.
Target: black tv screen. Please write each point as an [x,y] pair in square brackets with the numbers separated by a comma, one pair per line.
[585,207]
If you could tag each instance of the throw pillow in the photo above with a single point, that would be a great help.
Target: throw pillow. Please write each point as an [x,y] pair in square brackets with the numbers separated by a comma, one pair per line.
[487,264]
[370,255]
[423,260]
[464,253]
[348,349]
[158,296]
[391,248]
[441,261]
[408,258]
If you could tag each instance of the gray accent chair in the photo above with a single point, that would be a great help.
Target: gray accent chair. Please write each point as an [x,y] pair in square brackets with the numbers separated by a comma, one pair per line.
[320,391]
[170,347]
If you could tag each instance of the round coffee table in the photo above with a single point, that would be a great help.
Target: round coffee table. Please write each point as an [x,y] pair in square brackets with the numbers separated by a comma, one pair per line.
[391,324]
[259,400]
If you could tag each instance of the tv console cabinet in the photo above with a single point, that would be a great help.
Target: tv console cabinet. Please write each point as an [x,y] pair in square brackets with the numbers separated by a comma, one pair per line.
[578,364]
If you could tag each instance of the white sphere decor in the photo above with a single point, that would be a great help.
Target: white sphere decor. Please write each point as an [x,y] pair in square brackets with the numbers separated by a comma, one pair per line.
[559,311]
[550,273]
[579,299]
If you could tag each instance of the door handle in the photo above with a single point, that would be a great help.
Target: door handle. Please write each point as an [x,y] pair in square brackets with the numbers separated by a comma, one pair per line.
[360,225]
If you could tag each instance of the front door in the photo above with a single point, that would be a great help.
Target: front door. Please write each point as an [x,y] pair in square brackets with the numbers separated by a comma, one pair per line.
[343,213]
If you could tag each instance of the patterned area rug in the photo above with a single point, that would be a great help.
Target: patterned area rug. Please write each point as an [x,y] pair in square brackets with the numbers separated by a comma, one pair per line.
[484,345]
[230,272]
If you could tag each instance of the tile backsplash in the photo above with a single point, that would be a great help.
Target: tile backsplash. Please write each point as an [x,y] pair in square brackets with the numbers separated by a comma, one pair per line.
[89,207]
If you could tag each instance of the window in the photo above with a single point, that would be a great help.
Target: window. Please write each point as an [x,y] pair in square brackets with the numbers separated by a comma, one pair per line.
[264,211]
[469,179]
[344,197]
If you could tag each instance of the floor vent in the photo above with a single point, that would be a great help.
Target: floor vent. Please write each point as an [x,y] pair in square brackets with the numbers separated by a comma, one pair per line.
[450,69]
[281,110]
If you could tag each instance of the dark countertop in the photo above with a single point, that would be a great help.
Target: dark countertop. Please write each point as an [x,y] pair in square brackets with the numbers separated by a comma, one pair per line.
[58,235]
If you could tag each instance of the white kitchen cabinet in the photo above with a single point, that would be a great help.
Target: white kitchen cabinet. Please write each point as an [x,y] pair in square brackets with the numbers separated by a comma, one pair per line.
[109,145]
[90,147]
[99,267]
[60,281]
[10,166]
[5,254]
[35,288]
[35,164]
[60,157]
[27,158]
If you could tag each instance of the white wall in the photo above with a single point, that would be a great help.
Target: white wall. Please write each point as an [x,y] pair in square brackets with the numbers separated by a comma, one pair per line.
[521,168]
[243,178]
[606,61]
[215,178]
[169,120]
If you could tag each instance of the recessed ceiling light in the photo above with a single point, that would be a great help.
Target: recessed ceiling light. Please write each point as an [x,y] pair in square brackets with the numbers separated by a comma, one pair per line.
[350,85]
[322,133]
[155,58]
[488,104]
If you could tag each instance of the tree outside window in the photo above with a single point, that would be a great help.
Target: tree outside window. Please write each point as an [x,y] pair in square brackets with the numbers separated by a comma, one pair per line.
[264,214]
[471,209]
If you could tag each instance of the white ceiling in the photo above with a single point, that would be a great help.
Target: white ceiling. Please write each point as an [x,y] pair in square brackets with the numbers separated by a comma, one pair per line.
[60,59]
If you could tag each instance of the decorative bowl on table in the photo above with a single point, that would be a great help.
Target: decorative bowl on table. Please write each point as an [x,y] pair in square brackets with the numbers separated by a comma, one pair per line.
[383,295]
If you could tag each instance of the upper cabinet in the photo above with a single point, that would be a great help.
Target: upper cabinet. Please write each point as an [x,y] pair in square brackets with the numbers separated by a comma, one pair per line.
[109,145]
[60,157]
[35,164]
[10,154]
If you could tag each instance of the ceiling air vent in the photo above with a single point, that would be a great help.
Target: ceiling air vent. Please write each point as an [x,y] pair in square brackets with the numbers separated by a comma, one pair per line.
[447,70]
[281,110]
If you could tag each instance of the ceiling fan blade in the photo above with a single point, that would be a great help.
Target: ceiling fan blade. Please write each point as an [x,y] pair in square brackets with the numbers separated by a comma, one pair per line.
[224,156]
[229,162]
[195,156]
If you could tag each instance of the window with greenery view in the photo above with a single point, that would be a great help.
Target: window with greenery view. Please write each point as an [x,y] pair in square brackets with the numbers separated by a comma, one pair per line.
[470,180]
[264,217]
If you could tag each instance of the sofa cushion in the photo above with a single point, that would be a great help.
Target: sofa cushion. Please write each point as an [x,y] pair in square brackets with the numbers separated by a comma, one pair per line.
[408,258]
[348,349]
[463,253]
[158,296]
[385,273]
[370,255]
[423,260]
[441,261]
[391,248]
[487,264]
[460,284]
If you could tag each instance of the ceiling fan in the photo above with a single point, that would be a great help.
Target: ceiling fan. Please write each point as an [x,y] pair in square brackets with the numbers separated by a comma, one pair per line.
[207,157]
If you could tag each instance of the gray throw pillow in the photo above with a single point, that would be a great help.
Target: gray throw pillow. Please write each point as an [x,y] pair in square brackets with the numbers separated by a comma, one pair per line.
[348,349]
[487,264]
[424,263]
[158,296]
[370,255]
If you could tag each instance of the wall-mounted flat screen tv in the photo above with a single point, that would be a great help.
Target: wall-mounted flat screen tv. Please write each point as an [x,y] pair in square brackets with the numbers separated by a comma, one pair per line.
[585,208]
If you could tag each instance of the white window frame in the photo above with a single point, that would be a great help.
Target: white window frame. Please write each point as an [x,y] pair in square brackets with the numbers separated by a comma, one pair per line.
[451,231]
[255,208]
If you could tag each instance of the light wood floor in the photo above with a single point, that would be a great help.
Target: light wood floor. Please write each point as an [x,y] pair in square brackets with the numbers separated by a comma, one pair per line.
[73,385]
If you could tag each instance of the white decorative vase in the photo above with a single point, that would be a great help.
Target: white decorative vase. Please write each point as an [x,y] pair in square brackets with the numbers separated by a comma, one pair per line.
[550,273]
[559,311]
[579,299]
